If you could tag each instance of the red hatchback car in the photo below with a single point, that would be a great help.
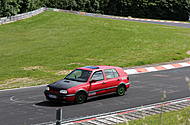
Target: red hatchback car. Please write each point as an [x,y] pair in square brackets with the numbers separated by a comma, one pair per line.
[88,81]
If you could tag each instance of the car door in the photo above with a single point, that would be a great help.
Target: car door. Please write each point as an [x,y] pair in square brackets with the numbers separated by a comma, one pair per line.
[97,84]
[111,80]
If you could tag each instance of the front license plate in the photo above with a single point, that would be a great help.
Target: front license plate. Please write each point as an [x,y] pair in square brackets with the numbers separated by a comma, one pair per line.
[52,96]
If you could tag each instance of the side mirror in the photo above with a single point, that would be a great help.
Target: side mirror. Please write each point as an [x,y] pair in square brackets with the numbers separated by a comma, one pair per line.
[92,81]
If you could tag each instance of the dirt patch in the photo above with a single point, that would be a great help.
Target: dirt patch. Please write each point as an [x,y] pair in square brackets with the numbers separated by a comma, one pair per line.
[169,27]
[21,82]
[188,52]
[74,64]
[16,80]
[63,72]
[33,68]
[43,69]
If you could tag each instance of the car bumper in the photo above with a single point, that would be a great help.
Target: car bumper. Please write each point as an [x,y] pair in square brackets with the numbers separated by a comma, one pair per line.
[59,97]
[128,84]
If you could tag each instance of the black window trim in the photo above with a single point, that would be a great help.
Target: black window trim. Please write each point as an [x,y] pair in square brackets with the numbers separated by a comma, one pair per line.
[116,72]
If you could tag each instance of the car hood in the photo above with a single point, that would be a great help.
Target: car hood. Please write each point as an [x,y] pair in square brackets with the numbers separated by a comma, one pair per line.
[64,84]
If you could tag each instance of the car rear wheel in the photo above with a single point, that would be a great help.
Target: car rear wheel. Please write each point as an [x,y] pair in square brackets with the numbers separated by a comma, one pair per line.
[80,97]
[121,90]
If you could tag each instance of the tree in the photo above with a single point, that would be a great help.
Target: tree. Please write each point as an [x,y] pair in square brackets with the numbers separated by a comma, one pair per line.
[92,6]
[29,5]
[9,7]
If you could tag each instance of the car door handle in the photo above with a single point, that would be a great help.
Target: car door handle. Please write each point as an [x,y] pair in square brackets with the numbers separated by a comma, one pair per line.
[104,83]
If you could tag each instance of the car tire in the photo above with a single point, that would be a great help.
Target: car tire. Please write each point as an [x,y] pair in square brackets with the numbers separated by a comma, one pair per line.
[121,90]
[80,97]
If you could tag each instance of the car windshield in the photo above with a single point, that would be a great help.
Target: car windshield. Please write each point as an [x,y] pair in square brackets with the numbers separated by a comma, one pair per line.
[79,75]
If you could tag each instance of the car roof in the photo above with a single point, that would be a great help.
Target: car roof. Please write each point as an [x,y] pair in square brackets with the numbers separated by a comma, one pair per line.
[92,68]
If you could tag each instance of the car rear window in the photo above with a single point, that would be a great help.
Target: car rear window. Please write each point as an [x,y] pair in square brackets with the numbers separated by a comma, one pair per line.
[111,73]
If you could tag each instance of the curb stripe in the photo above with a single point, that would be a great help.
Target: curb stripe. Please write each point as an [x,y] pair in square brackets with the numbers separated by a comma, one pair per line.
[160,68]
[126,112]
[184,64]
[85,120]
[131,71]
[142,70]
[177,65]
[168,66]
[151,69]
[157,68]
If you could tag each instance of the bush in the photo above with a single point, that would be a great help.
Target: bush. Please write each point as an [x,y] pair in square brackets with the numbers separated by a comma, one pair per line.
[29,5]
[9,7]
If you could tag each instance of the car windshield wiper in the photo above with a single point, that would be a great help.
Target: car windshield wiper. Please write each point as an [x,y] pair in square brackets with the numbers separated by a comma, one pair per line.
[70,79]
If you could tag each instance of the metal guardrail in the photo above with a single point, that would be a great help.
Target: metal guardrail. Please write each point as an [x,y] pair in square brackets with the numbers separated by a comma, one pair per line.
[10,19]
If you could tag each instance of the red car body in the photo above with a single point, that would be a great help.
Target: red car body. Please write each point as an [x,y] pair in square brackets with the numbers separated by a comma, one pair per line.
[97,80]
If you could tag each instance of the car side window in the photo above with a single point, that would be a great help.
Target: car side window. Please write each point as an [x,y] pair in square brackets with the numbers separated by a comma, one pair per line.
[98,76]
[111,73]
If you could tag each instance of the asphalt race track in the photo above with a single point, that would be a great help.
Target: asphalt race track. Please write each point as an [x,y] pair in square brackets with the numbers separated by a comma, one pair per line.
[28,106]
[185,25]
[170,24]
[161,22]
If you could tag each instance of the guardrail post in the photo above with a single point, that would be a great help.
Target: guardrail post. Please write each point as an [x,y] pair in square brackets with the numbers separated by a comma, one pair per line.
[58,116]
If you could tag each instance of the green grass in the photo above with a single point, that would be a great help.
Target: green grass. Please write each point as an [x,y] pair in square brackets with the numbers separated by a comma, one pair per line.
[57,41]
[181,117]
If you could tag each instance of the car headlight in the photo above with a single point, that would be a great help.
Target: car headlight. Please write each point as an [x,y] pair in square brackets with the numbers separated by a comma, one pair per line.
[63,91]
[47,88]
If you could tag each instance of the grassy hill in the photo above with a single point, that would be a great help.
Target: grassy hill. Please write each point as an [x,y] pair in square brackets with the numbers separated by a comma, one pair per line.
[44,48]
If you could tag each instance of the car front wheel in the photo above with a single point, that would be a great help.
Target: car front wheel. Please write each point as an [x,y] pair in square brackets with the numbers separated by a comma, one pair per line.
[80,97]
[121,90]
